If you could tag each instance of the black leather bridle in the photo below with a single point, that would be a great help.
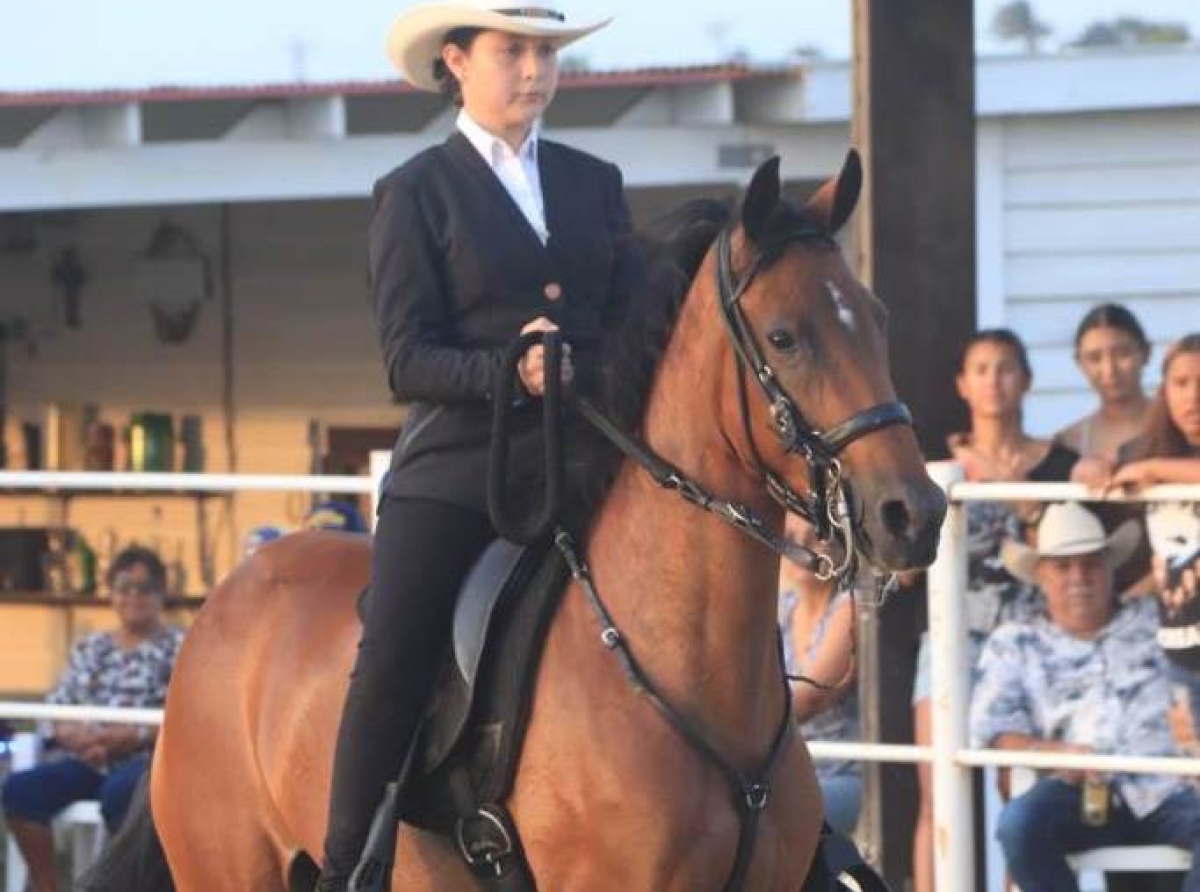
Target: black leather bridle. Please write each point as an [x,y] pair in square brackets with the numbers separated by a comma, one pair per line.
[819,449]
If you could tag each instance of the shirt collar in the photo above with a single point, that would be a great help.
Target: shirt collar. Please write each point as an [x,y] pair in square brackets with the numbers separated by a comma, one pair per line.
[494,149]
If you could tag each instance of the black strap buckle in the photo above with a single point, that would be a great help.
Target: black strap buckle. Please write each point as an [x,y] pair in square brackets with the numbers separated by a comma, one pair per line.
[757,796]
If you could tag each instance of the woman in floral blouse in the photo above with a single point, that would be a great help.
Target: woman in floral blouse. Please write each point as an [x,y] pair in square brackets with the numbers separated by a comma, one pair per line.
[126,667]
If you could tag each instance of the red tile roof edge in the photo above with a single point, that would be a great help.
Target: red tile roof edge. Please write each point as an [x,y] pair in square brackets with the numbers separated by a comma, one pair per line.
[570,80]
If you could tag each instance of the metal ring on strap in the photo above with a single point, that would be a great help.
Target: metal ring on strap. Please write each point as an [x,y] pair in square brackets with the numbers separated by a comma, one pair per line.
[484,854]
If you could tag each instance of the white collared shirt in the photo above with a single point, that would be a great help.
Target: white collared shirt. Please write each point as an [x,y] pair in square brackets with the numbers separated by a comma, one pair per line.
[518,172]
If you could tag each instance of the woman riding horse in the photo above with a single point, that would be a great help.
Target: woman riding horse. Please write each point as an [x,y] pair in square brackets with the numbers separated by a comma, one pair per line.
[495,232]
[752,378]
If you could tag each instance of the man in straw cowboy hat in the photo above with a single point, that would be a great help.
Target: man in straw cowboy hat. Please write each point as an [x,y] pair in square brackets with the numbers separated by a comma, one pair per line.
[492,233]
[1087,677]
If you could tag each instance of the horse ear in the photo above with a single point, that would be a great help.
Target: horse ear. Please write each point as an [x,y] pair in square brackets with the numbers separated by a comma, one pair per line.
[834,202]
[761,199]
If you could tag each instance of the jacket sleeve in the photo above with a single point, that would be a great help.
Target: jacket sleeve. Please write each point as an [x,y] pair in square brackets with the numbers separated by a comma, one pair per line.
[628,261]
[415,326]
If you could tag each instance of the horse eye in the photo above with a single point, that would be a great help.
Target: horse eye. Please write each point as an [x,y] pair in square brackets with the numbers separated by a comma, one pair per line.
[781,339]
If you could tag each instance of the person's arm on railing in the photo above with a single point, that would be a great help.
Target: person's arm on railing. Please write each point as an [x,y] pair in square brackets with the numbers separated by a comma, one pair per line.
[1151,471]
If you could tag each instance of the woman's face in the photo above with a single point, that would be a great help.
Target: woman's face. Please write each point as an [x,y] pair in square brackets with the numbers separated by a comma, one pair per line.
[137,600]
[992,382]
[1181,389]
[507,80]
[1112,360]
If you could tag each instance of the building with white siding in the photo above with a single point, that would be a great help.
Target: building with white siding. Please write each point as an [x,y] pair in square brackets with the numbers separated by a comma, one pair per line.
[1088,191]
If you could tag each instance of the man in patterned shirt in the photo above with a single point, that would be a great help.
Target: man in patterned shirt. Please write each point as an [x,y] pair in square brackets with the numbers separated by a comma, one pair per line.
[1089,677]
[127,667]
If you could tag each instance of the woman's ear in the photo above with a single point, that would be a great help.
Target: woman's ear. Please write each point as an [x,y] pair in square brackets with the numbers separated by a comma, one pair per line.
[455,59]
[960,386]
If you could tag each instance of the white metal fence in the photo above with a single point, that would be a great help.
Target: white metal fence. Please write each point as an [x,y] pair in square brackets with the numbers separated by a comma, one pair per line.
[949,756]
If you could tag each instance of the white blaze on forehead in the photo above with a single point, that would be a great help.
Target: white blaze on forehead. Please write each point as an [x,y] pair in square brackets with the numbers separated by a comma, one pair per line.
[844,313]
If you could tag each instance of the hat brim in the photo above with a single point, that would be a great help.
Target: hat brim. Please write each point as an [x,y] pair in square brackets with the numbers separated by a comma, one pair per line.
[415,39]
[1021,560]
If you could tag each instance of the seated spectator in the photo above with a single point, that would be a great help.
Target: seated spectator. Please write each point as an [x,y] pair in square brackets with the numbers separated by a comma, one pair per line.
[818,632]
[336,514]
[1088,677]
[127,667]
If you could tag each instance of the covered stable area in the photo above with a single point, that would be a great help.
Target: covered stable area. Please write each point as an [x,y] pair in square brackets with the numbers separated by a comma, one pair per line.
[201,253]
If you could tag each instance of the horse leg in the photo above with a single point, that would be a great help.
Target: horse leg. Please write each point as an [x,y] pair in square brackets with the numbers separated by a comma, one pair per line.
[214,838]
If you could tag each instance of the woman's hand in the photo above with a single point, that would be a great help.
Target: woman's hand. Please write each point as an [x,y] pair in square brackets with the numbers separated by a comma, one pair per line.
[1136,475]
[1183,727]
[1095,472]
[532,367]
[1071,775]
[975,467]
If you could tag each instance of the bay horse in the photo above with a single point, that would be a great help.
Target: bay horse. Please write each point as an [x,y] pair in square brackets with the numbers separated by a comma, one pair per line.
[608,795]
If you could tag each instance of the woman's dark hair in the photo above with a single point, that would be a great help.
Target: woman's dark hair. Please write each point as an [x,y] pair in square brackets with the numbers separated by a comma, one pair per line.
[447,82]
[1005,337]
[1113,316]
[131,557]
[1163,438]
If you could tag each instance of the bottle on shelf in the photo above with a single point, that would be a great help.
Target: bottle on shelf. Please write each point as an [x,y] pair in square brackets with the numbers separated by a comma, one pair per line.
[81,563]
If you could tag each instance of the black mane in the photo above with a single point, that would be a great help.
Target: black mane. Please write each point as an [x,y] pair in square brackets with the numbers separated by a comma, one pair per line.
[671,252]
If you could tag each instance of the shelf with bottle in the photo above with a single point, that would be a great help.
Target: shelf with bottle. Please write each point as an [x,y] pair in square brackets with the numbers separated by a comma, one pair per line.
[69,600]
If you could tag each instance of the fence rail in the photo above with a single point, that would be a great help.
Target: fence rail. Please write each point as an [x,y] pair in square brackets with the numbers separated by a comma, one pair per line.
[951,760]
[48,712]
[117,481]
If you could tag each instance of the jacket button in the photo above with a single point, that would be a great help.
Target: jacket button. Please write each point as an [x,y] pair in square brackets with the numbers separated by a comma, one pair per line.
[553,291]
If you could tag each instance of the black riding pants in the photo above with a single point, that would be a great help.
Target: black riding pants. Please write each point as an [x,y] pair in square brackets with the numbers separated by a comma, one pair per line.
[423,551]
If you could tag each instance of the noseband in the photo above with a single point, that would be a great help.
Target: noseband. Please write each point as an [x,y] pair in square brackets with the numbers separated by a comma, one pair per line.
[825,505]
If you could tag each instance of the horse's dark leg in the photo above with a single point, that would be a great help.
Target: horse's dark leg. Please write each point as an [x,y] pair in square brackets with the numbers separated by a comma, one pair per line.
[837,855]
[134,860]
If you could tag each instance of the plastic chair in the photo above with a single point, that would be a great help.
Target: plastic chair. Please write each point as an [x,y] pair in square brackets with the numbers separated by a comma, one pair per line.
[81,823]
[1092,864]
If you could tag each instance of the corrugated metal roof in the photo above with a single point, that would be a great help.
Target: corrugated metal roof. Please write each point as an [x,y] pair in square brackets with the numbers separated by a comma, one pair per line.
[570,80]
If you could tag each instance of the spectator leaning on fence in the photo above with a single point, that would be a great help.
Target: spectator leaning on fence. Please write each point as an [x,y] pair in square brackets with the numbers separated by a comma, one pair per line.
[127,667]
[1087,677]
[994,375]
[1170,453]
[1112,350]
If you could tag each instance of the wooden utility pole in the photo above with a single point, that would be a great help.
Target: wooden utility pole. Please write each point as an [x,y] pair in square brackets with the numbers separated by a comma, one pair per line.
[914,122]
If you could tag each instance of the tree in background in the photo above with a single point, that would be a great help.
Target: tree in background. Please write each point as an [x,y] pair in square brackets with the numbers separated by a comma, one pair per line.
[574,63]
[1131,31]
[1016,20]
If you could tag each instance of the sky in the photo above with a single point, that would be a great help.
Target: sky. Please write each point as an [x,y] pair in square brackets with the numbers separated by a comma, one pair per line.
[88,44]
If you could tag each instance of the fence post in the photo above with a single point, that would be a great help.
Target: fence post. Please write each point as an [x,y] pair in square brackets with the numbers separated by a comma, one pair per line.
[953,813]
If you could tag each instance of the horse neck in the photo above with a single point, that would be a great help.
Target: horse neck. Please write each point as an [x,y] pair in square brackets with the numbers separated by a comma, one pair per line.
[695,598]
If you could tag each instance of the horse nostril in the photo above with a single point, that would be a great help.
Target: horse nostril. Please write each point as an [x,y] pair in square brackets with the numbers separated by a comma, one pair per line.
[896,517]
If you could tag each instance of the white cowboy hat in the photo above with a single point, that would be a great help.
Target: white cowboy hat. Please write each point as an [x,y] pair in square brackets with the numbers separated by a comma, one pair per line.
[1066,530]
[415,40]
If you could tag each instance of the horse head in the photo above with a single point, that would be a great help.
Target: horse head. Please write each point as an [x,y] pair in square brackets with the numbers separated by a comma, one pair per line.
[817,411]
